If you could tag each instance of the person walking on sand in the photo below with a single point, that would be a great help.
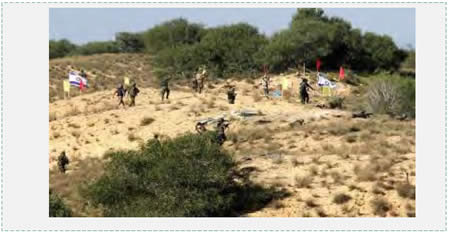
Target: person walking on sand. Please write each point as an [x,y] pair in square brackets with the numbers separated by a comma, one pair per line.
[133,92]
[120,93]
[304,86]
[266,82]
[165,91]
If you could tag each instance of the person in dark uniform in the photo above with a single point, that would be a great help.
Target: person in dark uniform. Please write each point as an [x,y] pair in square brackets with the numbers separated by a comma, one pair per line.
[304,86]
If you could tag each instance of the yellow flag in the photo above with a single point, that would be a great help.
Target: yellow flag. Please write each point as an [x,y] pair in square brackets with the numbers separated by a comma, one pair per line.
[285,84]
[326,91]
[66,86]
[126,81]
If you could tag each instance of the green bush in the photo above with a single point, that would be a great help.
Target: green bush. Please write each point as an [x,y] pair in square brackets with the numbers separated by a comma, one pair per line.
[57,208]
[186,176]
[98,47]
[130,42]
[392,94]
[61,48]
[172,34]
[226,51]
[313,35]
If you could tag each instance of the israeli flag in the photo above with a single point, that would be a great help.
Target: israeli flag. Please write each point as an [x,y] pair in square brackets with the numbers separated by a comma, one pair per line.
[75,79]
[323,81]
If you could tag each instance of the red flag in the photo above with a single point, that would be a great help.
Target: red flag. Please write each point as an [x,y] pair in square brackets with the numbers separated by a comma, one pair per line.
[341,73]
[318,63]
[81,85]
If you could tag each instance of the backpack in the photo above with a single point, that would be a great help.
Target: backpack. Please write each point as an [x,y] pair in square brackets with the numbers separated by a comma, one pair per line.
[134,91]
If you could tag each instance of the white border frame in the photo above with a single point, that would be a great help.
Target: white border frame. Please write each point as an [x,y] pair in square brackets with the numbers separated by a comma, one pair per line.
[25,129]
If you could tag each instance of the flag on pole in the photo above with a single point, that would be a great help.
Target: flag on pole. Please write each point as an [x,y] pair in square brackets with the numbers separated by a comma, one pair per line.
[326,90]
[76,80]
[126,81]
[318,64]
[285,84]
[324,82]
[341,73]
[81,86]
[66,86]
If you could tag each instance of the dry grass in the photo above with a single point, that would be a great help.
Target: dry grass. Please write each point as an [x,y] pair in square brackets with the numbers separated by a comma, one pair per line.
[380,206]
[56,135]
[311,203]
[341,198]
[75,134]
[132,137]
[314,170]
[146,121]
[303,181]
[406,190]
[73,125]
[52,116]
[256,97]
[67,185]
[73,111]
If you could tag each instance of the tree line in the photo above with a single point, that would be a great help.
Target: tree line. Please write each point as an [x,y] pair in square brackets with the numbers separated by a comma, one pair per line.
[179,47]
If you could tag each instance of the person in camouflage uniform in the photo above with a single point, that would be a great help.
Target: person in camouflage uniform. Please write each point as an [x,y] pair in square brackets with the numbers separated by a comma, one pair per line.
[120,93]
[221,126]
[133,91]
[165,91]
[62,162]
[304,86]
[231,95]
[195,84]
[201,77]
[265,83]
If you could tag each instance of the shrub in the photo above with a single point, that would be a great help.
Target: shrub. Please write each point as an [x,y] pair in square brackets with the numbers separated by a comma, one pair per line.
[186,176]
[380,206]
[146,121]
[335,102]
[341,198]
[98,47]
[406,190]
[393,95]
[57,208]
[61,48]
[130,42]
[171,34]
[303,182]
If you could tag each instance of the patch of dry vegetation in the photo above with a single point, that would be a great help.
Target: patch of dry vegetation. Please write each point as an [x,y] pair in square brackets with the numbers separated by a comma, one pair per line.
[146,121]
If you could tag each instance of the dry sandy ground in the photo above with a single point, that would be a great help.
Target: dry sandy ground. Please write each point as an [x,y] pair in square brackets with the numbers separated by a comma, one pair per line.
[332,165]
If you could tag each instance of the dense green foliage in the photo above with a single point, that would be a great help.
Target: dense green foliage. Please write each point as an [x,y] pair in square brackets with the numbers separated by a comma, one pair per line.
[57,208]
[187,176]
[180,47]
[98,47]
[172,34]
[60,48]
[130,42]
[313,35]
[392,94]
[227,50]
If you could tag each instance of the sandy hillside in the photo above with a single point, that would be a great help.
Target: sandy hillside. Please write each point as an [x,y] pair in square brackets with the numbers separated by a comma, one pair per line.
[332,165]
